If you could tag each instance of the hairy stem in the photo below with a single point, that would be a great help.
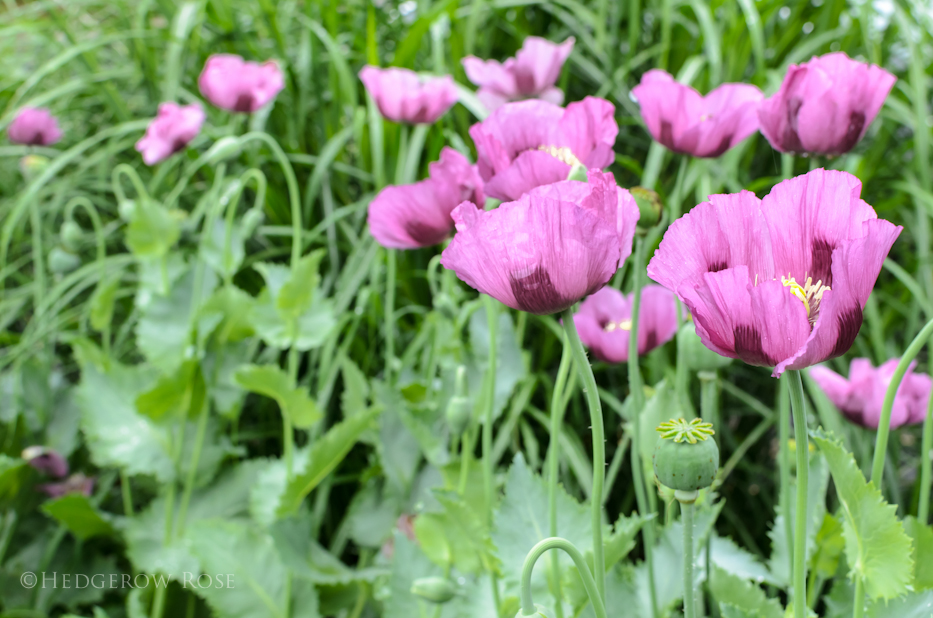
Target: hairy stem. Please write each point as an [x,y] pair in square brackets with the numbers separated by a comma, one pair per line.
[800,508]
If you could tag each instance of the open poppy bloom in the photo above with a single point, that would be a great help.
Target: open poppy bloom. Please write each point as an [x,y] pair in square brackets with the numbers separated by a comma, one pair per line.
[403,96]
[46,460]
[418,215]
[685,121]
[861,397]
[549,249]
[824,106]
[170,131]
[779,282]
[34,126]
[231,83]
[531,74]
[604,321]
[527,144]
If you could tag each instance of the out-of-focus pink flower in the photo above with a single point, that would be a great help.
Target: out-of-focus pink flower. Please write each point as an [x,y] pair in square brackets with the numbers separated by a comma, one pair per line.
[231,83]
[34,126]
[779,282]
[170,131]
[861,397]
[46,460]
[531,74]
[685,121]
[824,106]
[549,249]
[605,321]
[418,215]
[527,144]
[402,96]
[74,484]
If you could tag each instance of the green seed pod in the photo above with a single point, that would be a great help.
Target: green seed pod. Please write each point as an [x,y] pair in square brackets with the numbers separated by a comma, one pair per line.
[434,589]
[685,459]
[459,411]
[697,356]
[127,210]
[60,261]
[578,172]
[649,206]
[71,235]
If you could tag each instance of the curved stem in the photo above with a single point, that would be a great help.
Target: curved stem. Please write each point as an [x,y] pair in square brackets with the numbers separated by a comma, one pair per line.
[599,447]
[799,410]
[884,425]
[528,605]
[686,510]
[557,418]
[125,170]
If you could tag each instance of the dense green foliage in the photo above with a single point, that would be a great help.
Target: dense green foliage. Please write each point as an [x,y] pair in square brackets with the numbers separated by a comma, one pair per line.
[171,348]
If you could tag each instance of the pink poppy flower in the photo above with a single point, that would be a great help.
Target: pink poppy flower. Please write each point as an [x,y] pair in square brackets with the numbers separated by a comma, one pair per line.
[418,215]
[34,126]
[861,397]
[531,74]
[231,83]
[46,460]
[170,131]
[527,144]
[76,483]
[779,282]
[547,250]
[403,96]
[824,106]
[685,121]
[604,321]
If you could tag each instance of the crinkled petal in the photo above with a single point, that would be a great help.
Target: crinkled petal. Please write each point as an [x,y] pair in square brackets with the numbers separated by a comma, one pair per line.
[657,318]
[532,168]
[490,75]
[606,306]
[589,129]
[538,64]
[412,216]
[836,387]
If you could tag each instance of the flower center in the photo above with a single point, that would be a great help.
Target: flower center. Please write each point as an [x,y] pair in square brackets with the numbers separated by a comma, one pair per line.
[810,294]
[682,430]
[620,325]
[562,154]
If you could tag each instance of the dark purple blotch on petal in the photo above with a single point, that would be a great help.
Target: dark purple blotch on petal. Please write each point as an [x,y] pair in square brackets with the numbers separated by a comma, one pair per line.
[651,340]
[722,147]
[791,141]
[424,234]
[748,346]
[821,262]
[667,135]
[850,321]
[244,103]
[535,293]
[716,266]
[853,132]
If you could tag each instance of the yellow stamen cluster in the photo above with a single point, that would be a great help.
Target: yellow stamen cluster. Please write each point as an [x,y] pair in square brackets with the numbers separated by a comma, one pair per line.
[562,154]
[682,430]
[810,294]
[621,325]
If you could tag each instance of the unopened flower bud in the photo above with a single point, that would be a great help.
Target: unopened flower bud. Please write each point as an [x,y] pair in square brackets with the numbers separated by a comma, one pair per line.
[46,460]
[127,210]
[695,355]
[61,261]
[649,206]
[434,589]
[459,411]
[251,221]
[223,149]
[70,235]
[685,459]
[32,165]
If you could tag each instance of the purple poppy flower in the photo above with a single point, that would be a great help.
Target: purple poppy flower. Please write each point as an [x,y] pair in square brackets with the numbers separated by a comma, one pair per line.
[604,321]
[685,121]
[547,250]
[170,131]
[76,483]
[403,96]
[531,74]
[824,106]
[231,83]
[779,282]
[527,144]
[418,215]
[34,126]
[861,397]
[46,460]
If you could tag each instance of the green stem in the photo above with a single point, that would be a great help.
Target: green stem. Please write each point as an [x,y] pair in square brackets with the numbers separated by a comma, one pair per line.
[686,510]
[637,393]
[492,321]
[557,418]
[708,408]
[884,425]
[858,599]
[390,312]
[192,468]
[787,165]
[923,512]
[799,410]
[413,156]
[127,493]
[784,463]
[599,447]
[528,605]
[288,432]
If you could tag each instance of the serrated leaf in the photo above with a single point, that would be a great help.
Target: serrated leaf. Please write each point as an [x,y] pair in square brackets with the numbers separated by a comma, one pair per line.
[729,589]
[102,301]
[324,455]
[459,534]
[153,229]
[171,394]
[732,559]
[732,611]
[76,512]
[355,395]
[922,537]
[222,255]
[622,540]
[829,546]
[914,605]
[877,547]
[271,381]
[297,292]
[310,330]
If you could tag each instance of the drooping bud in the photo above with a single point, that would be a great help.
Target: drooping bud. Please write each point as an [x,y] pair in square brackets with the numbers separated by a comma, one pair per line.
[695,355]
[685,459]
[251,220]
[46,460]
[459,411]
[71,235]
[32,165]
[61,261]
[223,149]
[434,589]
[649,206]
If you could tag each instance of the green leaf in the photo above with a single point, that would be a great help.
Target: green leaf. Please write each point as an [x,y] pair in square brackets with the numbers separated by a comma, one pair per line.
[297,292]
[877,547]
[922,537]
[456,535]
[102,302]
[323,456]
[511,365]
[213,250]
[622,539]
[171,394]
[732,559]
[731,611]
[355,395]
[729,589]
[829,545]
[152,230]
[11,477]
[271,381]
[82,518]
[914,605]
